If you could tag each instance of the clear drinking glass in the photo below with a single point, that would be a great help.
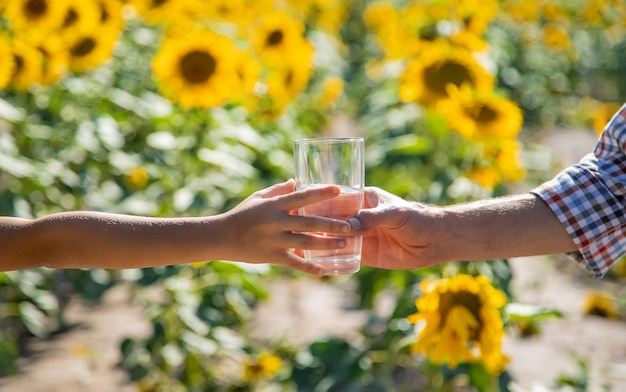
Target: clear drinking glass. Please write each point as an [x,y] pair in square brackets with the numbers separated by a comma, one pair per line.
[336,161]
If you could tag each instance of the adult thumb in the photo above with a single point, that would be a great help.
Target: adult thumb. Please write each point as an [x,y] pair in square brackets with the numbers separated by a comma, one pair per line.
[367,219]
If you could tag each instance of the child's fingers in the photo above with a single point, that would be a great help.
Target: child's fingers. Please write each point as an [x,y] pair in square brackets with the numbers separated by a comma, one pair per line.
[316,224]
[303,241]
[294,261]
[277,189]
[301,198]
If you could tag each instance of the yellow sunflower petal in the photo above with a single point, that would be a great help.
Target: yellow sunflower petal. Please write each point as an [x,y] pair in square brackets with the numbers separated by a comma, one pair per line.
[464,326]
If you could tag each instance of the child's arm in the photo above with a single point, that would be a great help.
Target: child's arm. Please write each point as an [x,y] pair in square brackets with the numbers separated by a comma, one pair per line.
[259,230]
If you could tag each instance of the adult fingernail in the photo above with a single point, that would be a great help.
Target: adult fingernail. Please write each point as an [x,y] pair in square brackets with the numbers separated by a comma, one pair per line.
[371,199]
[341,243]
[345,228]
[355,223]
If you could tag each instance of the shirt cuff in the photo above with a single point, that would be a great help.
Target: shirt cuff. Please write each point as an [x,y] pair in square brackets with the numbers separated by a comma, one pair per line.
[591,214]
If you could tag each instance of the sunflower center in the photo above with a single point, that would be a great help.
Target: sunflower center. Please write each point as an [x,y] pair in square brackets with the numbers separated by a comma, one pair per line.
[289,78]
[104,13]
[481,113]
[70,18]
[598,311]
[83,47]
[274,38]
[19,64]
[197,66]
[468,300]
[438,76]
[36,8]
[255,369]
[224,10]
[158,3]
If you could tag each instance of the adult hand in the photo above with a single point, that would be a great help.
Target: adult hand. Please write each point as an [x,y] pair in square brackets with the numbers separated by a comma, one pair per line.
[397,234]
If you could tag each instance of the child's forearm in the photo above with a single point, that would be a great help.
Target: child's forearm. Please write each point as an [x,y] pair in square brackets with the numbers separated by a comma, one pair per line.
[104,240]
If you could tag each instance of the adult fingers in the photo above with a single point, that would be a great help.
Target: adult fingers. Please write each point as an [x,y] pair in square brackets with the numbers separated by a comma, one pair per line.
[381,216]
[376,196]
[370,197]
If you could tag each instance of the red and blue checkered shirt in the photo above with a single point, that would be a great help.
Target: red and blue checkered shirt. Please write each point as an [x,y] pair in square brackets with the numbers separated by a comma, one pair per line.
[589,198]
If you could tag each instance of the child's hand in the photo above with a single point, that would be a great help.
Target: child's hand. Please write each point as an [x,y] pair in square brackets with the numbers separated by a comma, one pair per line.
[263,228]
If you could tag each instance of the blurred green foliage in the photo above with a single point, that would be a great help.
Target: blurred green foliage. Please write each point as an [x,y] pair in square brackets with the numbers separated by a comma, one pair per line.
[78,143]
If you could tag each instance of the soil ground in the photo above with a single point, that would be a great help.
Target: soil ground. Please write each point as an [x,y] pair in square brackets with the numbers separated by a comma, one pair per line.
[85,357]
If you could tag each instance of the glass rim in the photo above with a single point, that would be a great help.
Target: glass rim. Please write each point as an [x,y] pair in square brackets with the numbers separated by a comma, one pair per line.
[309,140]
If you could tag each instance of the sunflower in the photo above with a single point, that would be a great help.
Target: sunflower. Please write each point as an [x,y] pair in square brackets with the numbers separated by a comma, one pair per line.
[81,16]
[88,50]
[323,15]
[555,37]
[54,55]
[248,71]
[418,26]
[276,36]
[397,44]
[197,70]
[399,36]
[379,14]
[475,15]
[509,161]
[469,40]
[137,178]
[332,88]
[155,12]
[603,114]
[242,13]
[486,177]
[28,66]
[43,15]
[480,115]
[461,322]
[522,10]
[111,16]
[601,303]
[265,366]
[427,78]
[7,60]
[554,12]
[286,82]
[499,161]
[603,13]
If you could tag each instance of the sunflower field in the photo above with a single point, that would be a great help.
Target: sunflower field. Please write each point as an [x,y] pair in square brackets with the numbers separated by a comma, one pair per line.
[185,107]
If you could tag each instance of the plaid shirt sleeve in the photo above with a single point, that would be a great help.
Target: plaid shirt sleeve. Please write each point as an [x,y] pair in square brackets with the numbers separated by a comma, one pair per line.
[589,198]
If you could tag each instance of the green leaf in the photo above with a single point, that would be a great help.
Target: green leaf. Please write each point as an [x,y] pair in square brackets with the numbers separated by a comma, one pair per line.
[34,319]
[10,112]
[410,144]
[198,343]
[519,311]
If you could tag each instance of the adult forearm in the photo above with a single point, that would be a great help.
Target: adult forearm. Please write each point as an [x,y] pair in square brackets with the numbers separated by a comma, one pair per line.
[513,226]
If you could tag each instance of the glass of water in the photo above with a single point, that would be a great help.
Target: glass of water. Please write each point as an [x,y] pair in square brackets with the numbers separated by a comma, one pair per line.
[333,161]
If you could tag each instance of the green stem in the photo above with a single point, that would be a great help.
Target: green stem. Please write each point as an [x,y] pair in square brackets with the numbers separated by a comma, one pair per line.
[494,384]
